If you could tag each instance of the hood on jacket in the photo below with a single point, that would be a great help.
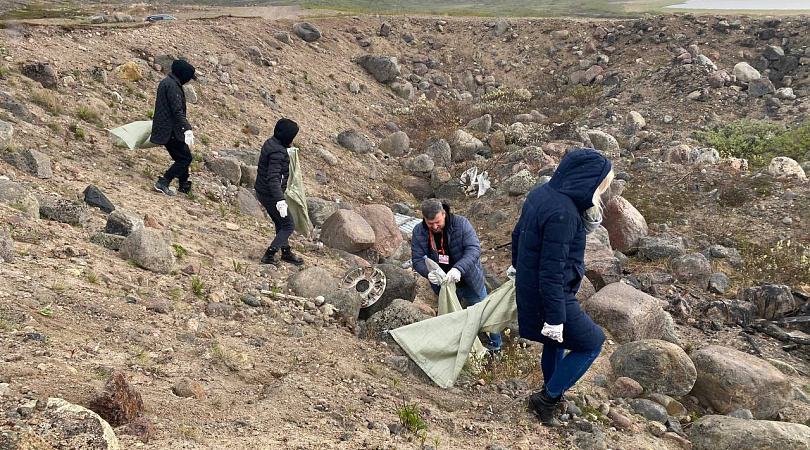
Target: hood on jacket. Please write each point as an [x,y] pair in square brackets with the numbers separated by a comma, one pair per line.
[579,174]
[183,71]
[285,131]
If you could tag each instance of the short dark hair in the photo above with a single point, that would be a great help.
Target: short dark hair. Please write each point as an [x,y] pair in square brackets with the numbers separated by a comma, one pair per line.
[430,208]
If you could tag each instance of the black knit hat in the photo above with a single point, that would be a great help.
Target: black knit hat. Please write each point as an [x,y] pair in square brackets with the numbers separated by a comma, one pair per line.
[285,131]
[183,71]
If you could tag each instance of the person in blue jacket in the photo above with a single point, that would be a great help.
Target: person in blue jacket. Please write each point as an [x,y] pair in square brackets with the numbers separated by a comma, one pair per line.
[548,253]
[451,241]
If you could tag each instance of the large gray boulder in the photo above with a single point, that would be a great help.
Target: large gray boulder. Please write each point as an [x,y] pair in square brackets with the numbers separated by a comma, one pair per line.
[784,167]
[420,188]
[226,167]
[354,141]
[441,153]
[6,135]
[306,31]
[692,268]
[7,253]
[464,146]
[660,247]
[396,144]
[19,197]
[122,223]
[772,301]
[481,124]
[731,433]
[383,68]
[313,282]
[601,265]
[248,204]
[745,73]
[604,142]
[625,225]
[347,302]
[630,315]
[43,72]
[15,107]
[63,210]
[69,426]
[387,237]
[658,366]
[398,314]
[319,210]
[147,248]
[348,231]
[728,379]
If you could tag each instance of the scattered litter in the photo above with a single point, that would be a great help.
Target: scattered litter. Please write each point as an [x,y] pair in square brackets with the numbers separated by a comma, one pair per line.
[476,181]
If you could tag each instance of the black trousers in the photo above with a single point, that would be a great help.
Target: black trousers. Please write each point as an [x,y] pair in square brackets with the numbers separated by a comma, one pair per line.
[284,225]
[181,155]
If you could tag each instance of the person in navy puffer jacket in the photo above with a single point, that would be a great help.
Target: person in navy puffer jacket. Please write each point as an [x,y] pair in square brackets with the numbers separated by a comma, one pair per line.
[548,253]
[450,240]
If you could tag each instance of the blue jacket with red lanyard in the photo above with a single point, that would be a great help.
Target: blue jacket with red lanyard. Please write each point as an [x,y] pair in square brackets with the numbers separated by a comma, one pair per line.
[458,243]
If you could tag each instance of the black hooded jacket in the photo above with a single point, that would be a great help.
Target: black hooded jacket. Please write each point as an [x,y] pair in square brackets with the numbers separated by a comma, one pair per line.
[170,105]
[274,162]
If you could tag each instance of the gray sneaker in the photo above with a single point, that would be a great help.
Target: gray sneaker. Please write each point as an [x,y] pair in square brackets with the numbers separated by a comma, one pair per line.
[163,186]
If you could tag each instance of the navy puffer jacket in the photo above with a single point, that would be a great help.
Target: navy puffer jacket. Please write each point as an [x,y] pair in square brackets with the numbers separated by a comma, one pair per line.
[464,249]
[548,251]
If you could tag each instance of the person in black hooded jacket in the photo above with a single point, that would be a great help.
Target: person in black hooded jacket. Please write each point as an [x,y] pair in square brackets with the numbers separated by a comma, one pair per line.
[171,128]
[271,183]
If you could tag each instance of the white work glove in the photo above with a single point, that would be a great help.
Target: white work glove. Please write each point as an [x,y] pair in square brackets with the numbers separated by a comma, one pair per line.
[433,277]
[281,206]
[292,150]
[553,332]
[189,137]
[510,273]
[453,276]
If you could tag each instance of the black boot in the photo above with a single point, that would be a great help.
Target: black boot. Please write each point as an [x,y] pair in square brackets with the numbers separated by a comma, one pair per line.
[290,257]
[270,256]
[162,185]
[544,406]
[185,187]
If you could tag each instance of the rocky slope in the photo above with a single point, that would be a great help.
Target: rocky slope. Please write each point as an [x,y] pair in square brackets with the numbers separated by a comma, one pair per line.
[158,317]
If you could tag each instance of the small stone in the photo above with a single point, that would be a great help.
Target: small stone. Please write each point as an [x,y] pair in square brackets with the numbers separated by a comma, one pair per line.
[626,387]
[188,388]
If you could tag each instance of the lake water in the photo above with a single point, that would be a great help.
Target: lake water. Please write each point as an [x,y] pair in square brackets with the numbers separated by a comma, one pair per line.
[759,5]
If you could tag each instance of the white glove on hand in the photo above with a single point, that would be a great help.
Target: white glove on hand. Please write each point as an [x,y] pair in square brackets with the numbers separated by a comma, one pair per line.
[510,273]
[433,277]
[281,206]
[292,150]
[454,276]
[553,332]
[189,137]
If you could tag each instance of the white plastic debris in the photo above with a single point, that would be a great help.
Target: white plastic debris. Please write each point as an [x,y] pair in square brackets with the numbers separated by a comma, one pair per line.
[474,180]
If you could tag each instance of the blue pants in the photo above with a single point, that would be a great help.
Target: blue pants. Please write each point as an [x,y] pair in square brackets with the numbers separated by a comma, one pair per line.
[561,371]
[472,298]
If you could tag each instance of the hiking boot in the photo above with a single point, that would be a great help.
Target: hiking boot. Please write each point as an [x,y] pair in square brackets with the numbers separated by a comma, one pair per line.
[544,407]
[290,257]
[270,257]
[162,185]
[185,187]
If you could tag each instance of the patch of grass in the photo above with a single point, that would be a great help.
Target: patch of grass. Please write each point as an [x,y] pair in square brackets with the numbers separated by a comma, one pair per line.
[231,359]
[785,262]
[179,251]
[5,325]
[409,418]
[515,361]
[150,113]
[238,267]
[439,118]
[140,95]
[197,286]
[176,293]
[47,100]
[90,115]
[78,133]
[59,286]
[759,142]
[19,206]
[92,277]
[188,432]
[205,139]
[148,173]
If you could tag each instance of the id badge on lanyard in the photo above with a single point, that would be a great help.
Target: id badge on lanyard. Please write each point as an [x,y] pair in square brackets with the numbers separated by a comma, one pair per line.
[444,259]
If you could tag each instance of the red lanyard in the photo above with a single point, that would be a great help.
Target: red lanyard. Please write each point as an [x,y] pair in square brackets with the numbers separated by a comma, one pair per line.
[439,250]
